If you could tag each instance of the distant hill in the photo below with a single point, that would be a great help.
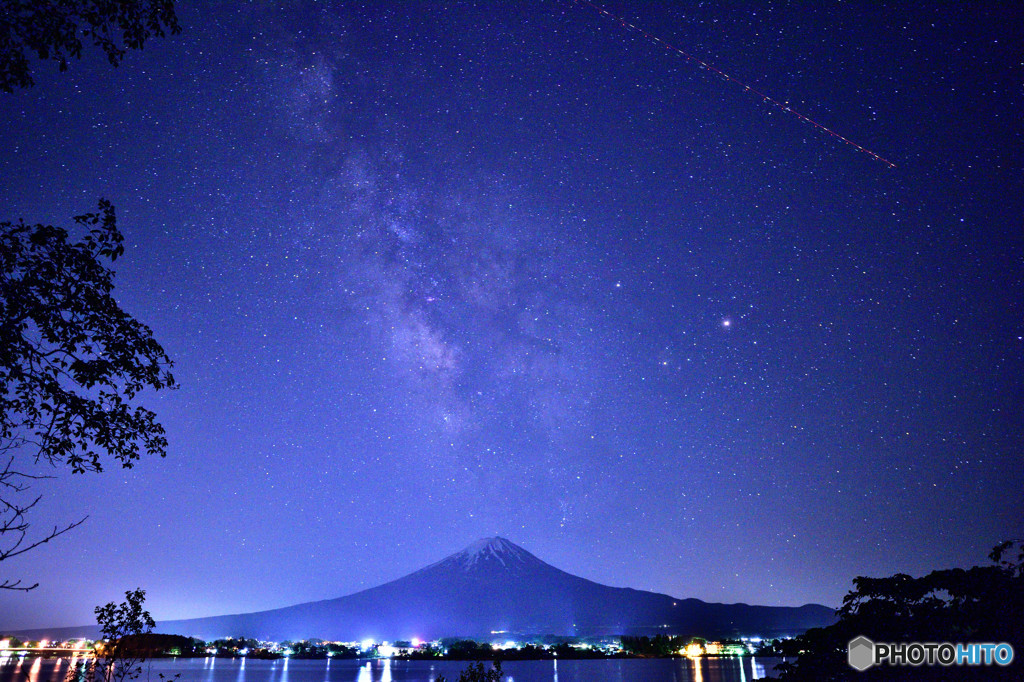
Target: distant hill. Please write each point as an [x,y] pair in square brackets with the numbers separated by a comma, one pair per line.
[494,585]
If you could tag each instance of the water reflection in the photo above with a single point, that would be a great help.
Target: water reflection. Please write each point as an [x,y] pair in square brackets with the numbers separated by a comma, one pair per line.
[210,669]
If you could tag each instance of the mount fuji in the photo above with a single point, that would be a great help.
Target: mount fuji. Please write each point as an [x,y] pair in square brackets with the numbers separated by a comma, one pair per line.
[495,586]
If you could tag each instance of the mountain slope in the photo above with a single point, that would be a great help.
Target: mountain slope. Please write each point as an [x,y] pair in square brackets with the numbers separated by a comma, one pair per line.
[494,585]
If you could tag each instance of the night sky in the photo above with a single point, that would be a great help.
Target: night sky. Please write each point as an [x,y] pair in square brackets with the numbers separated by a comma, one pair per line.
[434,271]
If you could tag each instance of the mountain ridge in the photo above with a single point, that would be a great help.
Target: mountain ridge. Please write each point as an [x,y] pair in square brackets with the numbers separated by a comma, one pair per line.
[493,585]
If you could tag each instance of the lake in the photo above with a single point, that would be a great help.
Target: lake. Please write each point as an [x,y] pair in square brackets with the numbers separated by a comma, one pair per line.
[355,670]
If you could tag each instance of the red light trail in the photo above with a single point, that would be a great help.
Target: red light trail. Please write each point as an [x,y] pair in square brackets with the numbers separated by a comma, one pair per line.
[767,99]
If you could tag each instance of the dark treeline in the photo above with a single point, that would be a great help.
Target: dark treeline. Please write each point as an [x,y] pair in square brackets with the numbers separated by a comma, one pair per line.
[251,648]
[471,650]
[659,645]
[979,604]
[664,646]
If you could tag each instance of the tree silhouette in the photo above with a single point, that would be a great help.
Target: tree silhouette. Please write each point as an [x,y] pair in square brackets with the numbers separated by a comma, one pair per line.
[979,604]
[55,30]
[71,361]
[118,656]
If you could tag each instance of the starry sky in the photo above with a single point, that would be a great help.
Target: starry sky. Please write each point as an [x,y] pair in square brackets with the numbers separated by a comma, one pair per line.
[434,271]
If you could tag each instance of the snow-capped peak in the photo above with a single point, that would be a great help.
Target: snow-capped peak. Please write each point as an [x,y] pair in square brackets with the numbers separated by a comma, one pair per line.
[496,552]
[495,545]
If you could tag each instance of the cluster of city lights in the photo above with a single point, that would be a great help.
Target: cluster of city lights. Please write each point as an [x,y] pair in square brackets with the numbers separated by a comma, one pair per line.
[387,649]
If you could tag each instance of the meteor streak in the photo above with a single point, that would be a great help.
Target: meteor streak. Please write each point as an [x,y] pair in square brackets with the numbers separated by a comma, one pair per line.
[765,98]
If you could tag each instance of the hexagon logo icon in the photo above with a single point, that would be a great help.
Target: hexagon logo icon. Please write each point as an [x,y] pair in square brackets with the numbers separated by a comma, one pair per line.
[860,653]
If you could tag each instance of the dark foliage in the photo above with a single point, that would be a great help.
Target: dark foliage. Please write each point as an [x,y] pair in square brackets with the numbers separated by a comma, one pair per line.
[56,30]
[979,604]
[318,649]
[155,645]
[71,361]
[659,646]
[469,650]
[118,657]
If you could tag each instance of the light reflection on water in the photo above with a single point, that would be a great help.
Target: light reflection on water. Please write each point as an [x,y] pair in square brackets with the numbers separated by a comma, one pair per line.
[18,669]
